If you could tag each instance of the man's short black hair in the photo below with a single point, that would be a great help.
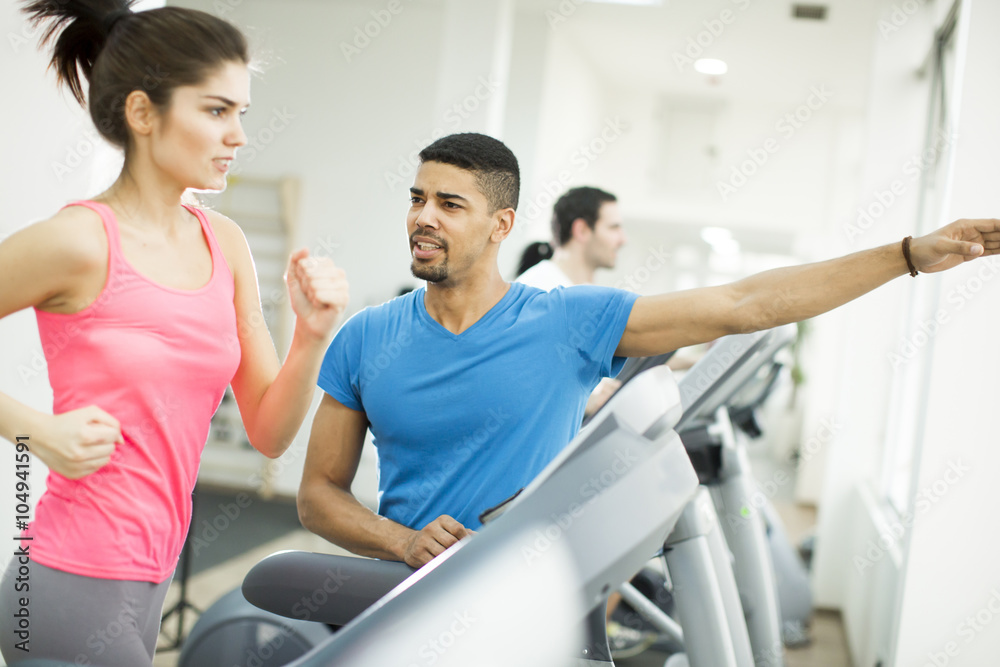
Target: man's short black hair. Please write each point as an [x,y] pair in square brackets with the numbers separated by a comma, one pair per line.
[583,202]
[494,165]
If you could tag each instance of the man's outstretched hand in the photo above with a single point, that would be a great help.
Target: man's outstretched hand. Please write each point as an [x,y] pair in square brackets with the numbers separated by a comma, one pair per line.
[423,545]
[961,241]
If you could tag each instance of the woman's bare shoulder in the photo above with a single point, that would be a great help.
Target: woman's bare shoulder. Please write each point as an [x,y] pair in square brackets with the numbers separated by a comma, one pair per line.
[72,239]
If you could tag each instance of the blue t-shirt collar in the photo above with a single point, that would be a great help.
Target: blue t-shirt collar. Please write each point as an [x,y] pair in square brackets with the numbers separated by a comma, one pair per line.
[513,291]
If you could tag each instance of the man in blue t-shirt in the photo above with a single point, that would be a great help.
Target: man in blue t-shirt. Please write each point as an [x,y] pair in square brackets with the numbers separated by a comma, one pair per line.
[471,385]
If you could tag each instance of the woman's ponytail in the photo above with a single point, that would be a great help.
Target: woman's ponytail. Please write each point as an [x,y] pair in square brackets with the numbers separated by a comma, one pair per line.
[79,30]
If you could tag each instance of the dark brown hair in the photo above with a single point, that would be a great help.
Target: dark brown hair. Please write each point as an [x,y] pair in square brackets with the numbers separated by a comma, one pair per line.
[119,51]
[582,202]
[535,253]
[494,165]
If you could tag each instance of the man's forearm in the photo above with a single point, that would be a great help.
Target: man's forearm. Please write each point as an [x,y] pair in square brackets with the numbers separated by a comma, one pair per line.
[337,516]
[796,293]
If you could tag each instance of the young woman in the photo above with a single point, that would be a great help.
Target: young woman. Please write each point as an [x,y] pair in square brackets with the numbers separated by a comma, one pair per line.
[147,310]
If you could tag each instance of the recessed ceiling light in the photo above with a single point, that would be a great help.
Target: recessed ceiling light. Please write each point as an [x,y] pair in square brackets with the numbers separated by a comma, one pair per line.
[710,66]
[721,240]
[715,235]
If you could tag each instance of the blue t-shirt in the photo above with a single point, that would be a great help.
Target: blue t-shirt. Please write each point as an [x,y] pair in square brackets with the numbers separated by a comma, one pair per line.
[461,422]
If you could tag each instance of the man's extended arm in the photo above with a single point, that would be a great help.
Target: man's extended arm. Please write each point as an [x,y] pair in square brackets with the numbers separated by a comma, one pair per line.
[668,322]
[328,508]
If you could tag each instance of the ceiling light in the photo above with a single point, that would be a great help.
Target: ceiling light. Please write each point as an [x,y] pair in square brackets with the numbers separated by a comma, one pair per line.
[710,66]
[721,240]
[714,235]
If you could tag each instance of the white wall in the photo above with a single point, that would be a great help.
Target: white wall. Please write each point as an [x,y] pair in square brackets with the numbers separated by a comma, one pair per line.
[949,608]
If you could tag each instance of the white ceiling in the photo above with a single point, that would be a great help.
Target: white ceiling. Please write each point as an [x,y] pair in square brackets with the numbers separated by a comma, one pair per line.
[769,52]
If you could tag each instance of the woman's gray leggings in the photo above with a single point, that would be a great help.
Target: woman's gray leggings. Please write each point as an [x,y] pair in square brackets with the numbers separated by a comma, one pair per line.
[77,619]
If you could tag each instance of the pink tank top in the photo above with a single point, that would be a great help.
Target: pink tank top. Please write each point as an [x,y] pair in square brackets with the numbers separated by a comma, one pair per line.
[157,359]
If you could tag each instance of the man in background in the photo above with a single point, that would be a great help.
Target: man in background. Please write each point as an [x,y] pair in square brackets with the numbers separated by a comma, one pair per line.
[588,232]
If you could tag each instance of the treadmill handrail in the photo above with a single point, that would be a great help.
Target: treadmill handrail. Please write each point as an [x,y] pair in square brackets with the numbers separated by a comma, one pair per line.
[725,369]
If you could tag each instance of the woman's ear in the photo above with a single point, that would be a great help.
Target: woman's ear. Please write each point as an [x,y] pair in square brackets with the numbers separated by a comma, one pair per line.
[140,113]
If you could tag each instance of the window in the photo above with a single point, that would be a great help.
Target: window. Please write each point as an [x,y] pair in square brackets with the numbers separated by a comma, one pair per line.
[909,394]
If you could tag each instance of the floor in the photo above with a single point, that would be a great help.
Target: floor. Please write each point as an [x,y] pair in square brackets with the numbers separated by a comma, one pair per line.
[827,649]
[215,573]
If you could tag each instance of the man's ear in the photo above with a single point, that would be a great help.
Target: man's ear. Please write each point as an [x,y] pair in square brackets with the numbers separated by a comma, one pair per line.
[140,113]
[504,220]
[580,230]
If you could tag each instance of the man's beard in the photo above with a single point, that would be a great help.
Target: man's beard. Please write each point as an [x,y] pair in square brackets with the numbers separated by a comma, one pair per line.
[432,274]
